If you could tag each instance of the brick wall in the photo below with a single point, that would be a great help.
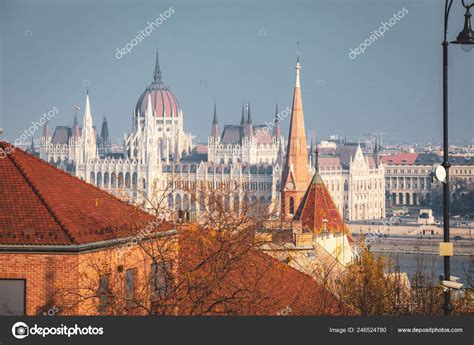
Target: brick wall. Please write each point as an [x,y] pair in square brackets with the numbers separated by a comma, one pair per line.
[51,279]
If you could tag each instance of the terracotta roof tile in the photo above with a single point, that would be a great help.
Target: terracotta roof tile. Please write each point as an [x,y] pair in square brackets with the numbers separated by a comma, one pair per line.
[317,207]
[47,206]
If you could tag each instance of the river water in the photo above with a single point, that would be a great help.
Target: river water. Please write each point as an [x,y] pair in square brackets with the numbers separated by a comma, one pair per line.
[408,263]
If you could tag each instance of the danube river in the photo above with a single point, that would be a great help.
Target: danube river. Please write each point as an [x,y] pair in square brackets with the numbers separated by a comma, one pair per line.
[408,263]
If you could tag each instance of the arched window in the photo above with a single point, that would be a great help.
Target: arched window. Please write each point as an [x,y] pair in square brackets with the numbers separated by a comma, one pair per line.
[178,205]
[134,180]
[186,202]
[113,181]
[292,205]
[127,180]
[120,180]
[99,179]
[106,180]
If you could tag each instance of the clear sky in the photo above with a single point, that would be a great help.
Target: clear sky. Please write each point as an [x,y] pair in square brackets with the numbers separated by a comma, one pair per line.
[230,51]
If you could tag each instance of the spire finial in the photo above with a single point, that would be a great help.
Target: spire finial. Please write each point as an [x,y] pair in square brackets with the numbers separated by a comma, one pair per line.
[297,83]
[214,121]
[242,119]
[316,157]
[249,116]
[298,52]
[157,73]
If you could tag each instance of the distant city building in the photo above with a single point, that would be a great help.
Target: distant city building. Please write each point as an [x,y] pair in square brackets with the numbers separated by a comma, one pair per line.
[355,181]
[247,142]
[408,175]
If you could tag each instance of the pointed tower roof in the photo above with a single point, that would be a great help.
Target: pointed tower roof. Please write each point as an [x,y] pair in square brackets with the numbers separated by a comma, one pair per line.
[214,121]
[87,112]
[276,129]
[248,130]
[104,133]
[46,131]
[242,119]
[296,163]
[76,133]
[317,210]
[249,116]
[215,125]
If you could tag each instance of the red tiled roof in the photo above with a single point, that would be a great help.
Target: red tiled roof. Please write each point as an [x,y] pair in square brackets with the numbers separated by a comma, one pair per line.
[42,205]
[400,159]
[317,206]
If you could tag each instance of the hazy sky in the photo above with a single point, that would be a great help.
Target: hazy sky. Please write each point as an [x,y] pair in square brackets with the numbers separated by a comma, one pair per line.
[230,51]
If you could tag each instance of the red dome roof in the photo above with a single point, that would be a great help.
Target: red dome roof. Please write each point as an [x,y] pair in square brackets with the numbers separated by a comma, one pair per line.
[164,103]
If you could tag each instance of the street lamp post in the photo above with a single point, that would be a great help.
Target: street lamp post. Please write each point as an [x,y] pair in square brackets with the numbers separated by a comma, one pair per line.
[466,40]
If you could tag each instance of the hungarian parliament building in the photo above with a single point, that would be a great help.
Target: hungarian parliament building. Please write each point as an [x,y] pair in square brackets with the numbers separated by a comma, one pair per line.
[248,161]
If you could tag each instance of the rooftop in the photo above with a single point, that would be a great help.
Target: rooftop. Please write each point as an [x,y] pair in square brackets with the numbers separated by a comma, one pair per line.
[42,205]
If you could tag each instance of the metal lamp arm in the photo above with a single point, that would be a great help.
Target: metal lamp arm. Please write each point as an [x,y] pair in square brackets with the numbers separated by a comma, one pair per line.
[467,6]
[447,9]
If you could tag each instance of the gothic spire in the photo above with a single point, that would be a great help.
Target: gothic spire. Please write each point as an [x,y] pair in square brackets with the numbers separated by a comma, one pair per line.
[87,111]
[104,133]
[295,177]
[214,121]
[157,73]
[215,126]
[249,117]
[276,128]
[76,133]
[242,119]
[46,131]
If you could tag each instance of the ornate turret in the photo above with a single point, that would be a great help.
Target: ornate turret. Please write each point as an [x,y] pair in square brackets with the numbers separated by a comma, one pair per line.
[105,142]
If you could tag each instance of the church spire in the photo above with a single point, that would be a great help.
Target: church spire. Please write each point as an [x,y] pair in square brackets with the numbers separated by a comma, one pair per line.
[76,133]
[276,129]
[87,113]
[157,72]
[215,125]
[249,116]
[104,133]
[88,135]
[296,175]
[242,119]
[214,121]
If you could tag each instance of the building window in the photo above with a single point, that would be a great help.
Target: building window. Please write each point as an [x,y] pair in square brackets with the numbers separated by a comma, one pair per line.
[12,296]
[159,282]
[104,291]
[292,205]
[130,287]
